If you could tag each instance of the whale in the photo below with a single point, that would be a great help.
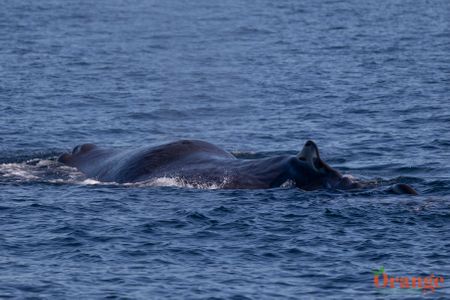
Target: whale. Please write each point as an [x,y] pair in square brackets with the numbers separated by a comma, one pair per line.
[198,162]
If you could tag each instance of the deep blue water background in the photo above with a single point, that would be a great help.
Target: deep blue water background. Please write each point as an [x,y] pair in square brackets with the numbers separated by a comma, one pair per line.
[367,80]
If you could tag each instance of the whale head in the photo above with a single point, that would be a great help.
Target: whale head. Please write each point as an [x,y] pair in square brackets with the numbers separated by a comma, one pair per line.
[321,173]
[77,153]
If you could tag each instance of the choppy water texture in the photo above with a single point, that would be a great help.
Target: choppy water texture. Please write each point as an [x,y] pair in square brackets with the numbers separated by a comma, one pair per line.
[367,80]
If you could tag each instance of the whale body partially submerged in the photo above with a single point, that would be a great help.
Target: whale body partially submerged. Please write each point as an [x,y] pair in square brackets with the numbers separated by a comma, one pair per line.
[198,162]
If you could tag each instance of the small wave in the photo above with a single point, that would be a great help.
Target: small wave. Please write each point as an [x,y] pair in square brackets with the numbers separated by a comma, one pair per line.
[245,30]
[158,114]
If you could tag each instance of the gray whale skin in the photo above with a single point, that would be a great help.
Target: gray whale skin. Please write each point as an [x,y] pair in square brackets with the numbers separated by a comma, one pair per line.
[198,162]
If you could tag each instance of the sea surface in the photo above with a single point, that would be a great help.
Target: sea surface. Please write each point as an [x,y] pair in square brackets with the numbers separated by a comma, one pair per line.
[368,81]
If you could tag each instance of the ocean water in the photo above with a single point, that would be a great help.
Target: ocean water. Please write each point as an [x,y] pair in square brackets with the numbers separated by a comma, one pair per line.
[369,81]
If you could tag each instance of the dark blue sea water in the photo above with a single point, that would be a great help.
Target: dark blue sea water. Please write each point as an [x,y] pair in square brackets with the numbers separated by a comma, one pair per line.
[369,81]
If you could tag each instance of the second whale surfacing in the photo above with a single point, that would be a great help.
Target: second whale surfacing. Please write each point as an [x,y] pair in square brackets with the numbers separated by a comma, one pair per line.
[199,162]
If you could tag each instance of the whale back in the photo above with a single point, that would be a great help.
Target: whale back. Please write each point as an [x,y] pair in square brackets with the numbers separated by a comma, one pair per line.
[146,162]
[133,165]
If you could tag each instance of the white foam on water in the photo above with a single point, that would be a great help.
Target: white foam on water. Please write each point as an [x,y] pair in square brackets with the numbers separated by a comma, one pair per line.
[43,170]
[17,170]
[288,184]
[91,182]
[348,176]
[179,182]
